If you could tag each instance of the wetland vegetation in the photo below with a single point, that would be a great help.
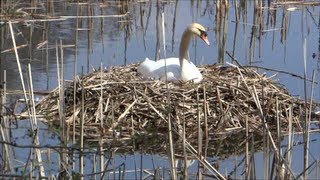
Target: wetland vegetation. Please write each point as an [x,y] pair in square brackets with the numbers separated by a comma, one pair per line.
[73,105]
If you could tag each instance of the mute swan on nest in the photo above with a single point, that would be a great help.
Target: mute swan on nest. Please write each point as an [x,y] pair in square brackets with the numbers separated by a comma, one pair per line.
[178,69]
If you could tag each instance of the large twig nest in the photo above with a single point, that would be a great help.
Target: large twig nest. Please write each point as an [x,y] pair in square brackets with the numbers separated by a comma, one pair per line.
[118,105]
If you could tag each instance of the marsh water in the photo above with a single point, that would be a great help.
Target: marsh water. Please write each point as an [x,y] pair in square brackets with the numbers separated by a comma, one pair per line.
[273,37]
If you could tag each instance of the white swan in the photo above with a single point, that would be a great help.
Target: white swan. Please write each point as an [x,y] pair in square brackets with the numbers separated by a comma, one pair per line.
[178,69]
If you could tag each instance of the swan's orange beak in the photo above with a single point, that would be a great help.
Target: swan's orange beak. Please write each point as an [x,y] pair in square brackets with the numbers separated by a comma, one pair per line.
[204,37]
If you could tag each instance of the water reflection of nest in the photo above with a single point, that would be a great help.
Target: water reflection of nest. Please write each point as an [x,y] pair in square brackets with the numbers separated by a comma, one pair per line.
[131,107]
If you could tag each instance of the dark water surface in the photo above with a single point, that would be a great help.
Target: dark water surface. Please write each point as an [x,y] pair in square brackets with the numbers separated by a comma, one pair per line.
[273,39]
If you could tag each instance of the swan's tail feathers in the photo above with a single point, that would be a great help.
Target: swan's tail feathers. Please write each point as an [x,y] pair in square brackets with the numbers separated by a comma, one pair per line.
[140,69]
[145,68]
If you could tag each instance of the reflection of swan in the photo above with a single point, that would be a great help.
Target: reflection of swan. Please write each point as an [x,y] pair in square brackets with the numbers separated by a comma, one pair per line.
[177,68]
[180,164]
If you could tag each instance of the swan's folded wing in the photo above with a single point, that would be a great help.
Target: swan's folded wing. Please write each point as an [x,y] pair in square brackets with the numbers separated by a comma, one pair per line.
[146,68]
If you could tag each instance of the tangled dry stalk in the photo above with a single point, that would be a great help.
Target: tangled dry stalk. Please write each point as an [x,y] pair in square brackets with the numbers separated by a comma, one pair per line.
[131,107]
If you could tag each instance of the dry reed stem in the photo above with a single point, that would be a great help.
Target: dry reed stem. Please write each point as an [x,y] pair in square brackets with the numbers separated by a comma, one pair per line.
[290,143]
[7,150]
[168,104]
[306,119]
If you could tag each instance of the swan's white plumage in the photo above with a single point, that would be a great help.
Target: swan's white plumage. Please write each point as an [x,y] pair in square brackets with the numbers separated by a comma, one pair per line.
[175,69]
[155,70]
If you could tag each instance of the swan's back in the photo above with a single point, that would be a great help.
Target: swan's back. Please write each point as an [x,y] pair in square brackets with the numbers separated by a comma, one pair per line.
[157,70]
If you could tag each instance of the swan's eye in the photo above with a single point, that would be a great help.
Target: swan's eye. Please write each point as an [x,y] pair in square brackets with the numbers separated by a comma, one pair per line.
[204,37]
[203,33]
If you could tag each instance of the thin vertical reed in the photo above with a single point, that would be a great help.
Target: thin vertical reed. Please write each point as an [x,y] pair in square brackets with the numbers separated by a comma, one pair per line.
[306,122]
[147,24]
[172,159]
[247,151]
[6,160]
[64,137]
[236,10]
[75,87]
[49,160]
[141,15]
[279,159]
[157,52]
[101,124]
[89,35]
[205,106]
[114,165]
[30,43]
[61,160]
[265,155]
[284,33]
[135,165]
[225,32]
[141,165]
[114,132]
[253,34]
[223,26]
[134,147]
[317,169]
[309,118]
[35,126]
[252,165]
[290,142]
[94,168]
[81,160]
[235,37]
[199,135]
[245,20]
[59,80]
[47,51]
[124,172]
[185,168]
[174,24]
[261,27]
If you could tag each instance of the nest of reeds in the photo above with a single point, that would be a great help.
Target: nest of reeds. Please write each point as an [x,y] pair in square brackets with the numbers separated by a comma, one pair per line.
[117,105]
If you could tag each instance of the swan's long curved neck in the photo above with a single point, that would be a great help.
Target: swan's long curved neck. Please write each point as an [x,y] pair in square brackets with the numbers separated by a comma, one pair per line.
[184,45]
